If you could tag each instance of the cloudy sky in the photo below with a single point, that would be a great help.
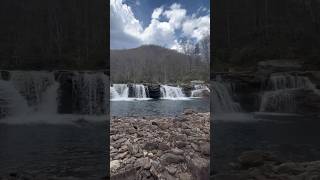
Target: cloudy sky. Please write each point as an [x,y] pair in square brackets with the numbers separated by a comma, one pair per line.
[161,22]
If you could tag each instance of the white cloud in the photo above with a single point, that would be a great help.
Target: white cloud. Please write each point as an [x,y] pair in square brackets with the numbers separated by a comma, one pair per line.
[160,33]
[175,15]
[157,12]
[197,27]
[127,31]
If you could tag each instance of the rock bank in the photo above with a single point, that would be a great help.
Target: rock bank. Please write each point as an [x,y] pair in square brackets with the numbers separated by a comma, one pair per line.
[160,147]
[259,165]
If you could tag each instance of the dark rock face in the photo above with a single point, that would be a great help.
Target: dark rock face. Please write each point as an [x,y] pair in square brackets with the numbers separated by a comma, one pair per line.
[5,75]
[65,105]
[186,89]
[154,91]
[271,66]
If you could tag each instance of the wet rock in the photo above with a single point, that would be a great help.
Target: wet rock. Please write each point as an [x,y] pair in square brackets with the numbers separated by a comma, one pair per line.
[188,111]
[290,168]
[121,155]
[181,144]
[177,151]
[205,149]
[199,168]
[163,146]
[133,148]
[195,147]
[161,125]
[114,165]
[254,158]
[185,176]
[171,169]
[181,137]
[151,146]
[169,158]
[168,176]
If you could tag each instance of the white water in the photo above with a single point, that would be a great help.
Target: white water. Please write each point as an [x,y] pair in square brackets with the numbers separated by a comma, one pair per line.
[281,98]
[221,99]
[172,93]
[198,90]
[11,101]
[91,90]
[32,84]
[140,91]
[120,92]
[33,97]
[287,81]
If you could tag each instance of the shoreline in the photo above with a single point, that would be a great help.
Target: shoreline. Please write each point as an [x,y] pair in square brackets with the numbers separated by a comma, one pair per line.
[160,147]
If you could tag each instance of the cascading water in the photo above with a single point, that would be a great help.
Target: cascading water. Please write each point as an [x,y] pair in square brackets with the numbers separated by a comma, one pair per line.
[221,98]
[286,81]
[119,92]
[42,96]
[32,84]
[91,92]
[281,98]
[198,90]
[171,92]
[11,101]
[140,91]
[124,92]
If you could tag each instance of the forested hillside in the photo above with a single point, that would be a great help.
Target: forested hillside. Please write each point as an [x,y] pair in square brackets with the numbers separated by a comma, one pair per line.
[58,34]
[249,31]
[152,63]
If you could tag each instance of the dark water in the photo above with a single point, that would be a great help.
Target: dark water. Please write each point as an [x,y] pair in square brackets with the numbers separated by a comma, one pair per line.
[54,150]
[290,140]
[157,107]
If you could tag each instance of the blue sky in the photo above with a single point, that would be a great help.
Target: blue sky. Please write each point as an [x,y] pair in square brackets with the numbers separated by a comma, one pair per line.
[161,22]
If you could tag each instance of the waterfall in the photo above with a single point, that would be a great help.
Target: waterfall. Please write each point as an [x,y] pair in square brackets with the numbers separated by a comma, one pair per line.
[278,101]
[171,92]
[281,98]
[221,98]
[11,101]
[113,93]
[119,92]
[287,81]
[124,92]
[90,92]
[198,90]
[32,84]
[43,96]
[140,91]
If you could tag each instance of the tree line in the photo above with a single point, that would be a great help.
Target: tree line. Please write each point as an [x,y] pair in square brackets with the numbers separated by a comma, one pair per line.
[59,34]
[151,63]
[246,32]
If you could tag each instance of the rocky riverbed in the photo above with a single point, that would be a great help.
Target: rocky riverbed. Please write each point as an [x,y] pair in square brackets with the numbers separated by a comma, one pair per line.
[260,165]
[160,147]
